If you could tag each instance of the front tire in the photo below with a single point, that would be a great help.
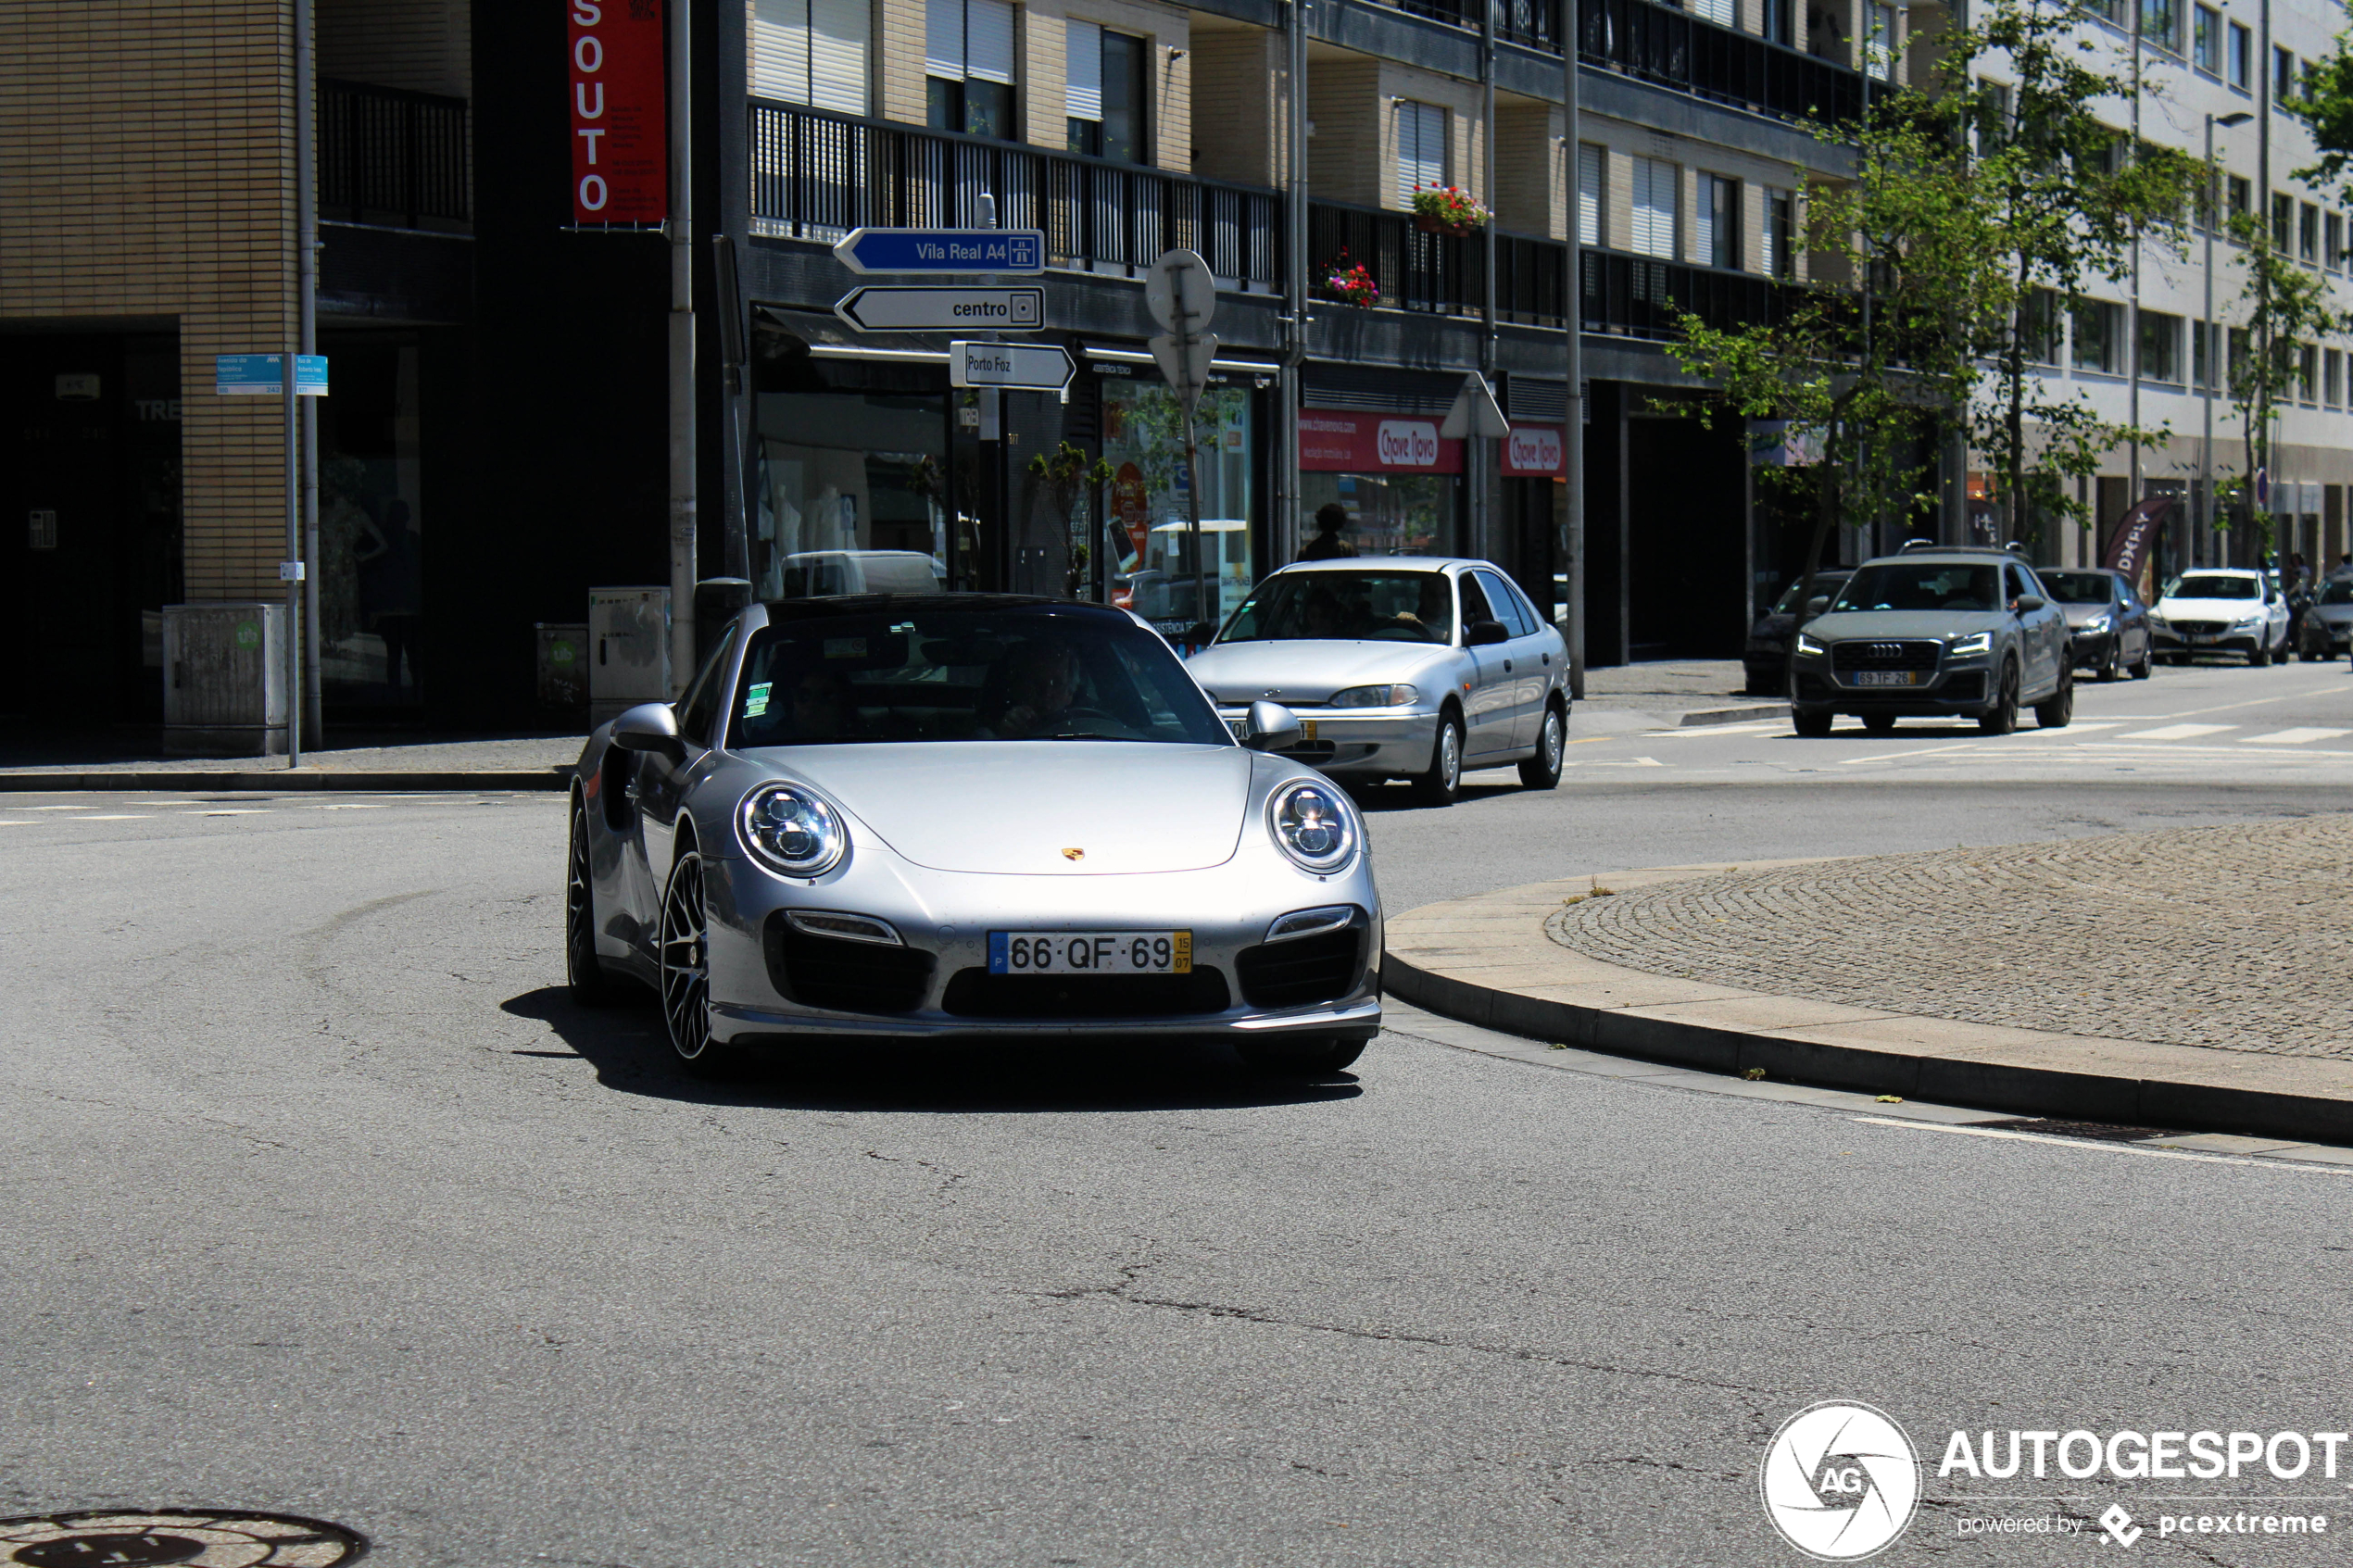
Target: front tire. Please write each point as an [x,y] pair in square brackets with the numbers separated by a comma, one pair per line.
[2113,666]
[1814,723]
[584,974]
[682,954]
[2054,713]
[2147,666]
[1880,723]
[1312,1058]
[2002,717]
[2257,657]
[1544,770]
[1442,784]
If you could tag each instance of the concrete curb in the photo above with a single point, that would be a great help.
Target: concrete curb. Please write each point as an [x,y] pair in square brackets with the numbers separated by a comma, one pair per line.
[1486,961]
[1733,715]
[289,779]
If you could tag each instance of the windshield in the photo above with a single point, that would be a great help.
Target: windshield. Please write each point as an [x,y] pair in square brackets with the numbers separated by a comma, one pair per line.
[2212,585]
[1386,606]
[1922,585]
[1825,584]
[2338,591]
[2079,588]
[1010,672]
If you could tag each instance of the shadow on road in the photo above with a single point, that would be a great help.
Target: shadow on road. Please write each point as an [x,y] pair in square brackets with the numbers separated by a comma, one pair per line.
[624,1043]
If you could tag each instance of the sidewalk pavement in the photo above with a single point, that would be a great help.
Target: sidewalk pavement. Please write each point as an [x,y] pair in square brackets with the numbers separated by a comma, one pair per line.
[1668,693]
[531,762]
[2077,980]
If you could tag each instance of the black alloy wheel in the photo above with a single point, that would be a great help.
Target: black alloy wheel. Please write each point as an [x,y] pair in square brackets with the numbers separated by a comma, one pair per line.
[2113,665]
[2258,656]
[1814,723]
[585,975]
[2147,666]
[1442,784]
[2002,717]
[1309,1057]
[2054,712]
[682,953]
[1544,770]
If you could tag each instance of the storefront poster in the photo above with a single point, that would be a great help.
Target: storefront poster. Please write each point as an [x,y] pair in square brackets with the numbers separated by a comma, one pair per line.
[619,137]
[1331,441]
[1536,451]
[1147,511]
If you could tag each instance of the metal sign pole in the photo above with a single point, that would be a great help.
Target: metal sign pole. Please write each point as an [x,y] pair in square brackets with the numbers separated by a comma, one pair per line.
[1181,294]
[1572,524]
[683,565]
[286,363]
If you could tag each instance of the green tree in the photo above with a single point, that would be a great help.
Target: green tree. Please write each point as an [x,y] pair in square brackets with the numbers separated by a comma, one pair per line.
[2288,305]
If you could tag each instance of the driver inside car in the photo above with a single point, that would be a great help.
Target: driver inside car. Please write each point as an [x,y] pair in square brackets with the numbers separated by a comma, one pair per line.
[1041,685]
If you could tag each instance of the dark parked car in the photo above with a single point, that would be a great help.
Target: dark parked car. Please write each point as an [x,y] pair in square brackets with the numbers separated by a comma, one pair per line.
[1766,659]
[2107,625]
[2327,628]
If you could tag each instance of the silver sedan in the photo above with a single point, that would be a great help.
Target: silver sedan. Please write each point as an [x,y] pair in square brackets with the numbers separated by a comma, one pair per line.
[905,817]
[1399,667]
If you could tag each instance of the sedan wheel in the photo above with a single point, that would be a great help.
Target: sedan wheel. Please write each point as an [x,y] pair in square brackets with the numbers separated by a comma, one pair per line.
[1443,783]
[2113,665]
[2145,668]
[2257,657]
[1812,722]
[584,975]
[1544,770]
[2054,713]
[684,957]
[1880,723]
[2002,717]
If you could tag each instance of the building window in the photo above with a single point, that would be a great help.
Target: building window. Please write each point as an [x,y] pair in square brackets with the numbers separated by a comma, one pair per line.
[1421,149]
[2099,331]
[2206,39]
[2235,363]
[1655,186]
[2160,357]
[2309,372]
[2282,221]
[2161,23]
[2333,241]
[2283,76]
[1719,222]
[1592,195]
[1103,99]
[1723,13]
[1878,44]
[2308,233]
[2201,361]
[968,67]
[2242,196]
[810,52]
[2039,335]
[2242,57]
[1778,18]
[2333,378]
[1781,258]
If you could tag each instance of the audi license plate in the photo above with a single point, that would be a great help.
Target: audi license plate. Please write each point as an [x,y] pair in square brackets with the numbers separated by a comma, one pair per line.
[1090,952]
[1887,678]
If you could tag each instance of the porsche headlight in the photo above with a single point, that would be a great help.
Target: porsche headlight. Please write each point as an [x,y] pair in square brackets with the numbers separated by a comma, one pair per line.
[1976,642]
[1808,647]
[1313,826]
[789,830]
[1375,696]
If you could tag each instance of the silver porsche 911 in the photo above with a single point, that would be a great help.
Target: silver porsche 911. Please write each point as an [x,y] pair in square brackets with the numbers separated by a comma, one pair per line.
[906,817]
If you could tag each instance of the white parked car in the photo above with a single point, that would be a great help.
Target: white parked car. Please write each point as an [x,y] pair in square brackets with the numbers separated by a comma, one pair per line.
[2221,609]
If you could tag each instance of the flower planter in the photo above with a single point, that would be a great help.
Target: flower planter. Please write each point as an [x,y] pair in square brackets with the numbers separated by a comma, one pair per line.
[1430,225]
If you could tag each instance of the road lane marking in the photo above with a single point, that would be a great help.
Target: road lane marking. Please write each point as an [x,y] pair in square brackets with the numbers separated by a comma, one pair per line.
[1899,755]
[352,806]
[2178,731]
[115,817]
[61,807]
[2274,1163]
[2293,737]
[234,811]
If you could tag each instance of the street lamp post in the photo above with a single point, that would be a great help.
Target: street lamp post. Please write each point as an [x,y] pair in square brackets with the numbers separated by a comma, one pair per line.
[2214,354]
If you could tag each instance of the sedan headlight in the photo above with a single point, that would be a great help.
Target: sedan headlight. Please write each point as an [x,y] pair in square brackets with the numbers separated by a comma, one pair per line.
[2098,623]
[1312,826]
[2156,621]
[1808,646]
[1376,696]
[1976,642]
[789,830]
[2247,623]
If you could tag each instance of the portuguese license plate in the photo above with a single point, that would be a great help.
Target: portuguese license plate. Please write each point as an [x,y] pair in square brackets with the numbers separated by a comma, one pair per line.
[1090,952]
[1887,678]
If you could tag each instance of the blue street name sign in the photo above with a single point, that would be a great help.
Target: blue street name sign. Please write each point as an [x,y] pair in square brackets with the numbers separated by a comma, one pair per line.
[943,250]
[260,376]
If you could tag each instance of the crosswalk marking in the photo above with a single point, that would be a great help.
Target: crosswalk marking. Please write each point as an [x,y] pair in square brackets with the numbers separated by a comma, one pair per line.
[2178,731]
[115,817]
[2295,738]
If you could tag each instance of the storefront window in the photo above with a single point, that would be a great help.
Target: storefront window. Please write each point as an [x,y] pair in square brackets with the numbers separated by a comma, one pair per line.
[1397,476]
[851,495]
[1148,534]
[371,515]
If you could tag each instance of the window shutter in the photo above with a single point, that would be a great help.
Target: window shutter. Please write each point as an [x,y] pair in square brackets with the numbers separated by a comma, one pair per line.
[780,50]
[839,35]
[1083,55]
[944,39]
[1705,241]
[1421,148]
[988,41]
[1588,196]
[1718,11]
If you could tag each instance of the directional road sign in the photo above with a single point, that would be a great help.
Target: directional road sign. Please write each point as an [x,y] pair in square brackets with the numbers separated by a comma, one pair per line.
[943,250]
[1022,365]
[1180,292]
[263,375]
[944,309]
[1186,364]
[1475,412]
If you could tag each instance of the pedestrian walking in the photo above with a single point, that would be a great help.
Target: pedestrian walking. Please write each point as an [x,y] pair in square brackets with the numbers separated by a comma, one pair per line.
[1331,518]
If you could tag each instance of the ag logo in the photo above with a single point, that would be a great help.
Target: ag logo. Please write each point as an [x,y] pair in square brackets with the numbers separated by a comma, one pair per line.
[1840,1481]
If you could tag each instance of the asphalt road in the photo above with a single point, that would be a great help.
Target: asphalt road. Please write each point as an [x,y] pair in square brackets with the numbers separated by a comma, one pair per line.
[321,1197]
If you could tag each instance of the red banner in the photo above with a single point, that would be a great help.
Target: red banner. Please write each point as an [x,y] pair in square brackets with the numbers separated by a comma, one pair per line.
[1334,442]
[1536,450]
[620,134]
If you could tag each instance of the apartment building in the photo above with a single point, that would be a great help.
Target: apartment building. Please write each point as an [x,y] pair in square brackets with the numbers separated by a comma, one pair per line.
[494,443]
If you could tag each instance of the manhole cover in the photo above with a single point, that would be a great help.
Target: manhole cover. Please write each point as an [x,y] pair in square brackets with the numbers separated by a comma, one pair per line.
[200,1538]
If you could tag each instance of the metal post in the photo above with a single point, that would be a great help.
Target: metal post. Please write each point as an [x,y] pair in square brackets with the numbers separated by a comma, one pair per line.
[294,548]
[1292,525]
[2259,418]
[680,232]
[313,695]
[1484,493]
[2133,307]
[1572,540]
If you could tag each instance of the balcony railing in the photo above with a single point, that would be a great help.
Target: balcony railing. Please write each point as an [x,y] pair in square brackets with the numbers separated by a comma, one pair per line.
[1441,274]
[1531,22]
[387,155]
[817,175]
[1639,297]
[1672,48]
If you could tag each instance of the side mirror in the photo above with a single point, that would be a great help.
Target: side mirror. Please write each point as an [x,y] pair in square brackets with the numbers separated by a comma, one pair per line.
[649,726]
[1818,604]
[1480,633]
[1270,727]
[2029,603]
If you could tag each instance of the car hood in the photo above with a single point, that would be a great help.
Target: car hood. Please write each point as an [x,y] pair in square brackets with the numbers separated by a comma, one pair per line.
[1306,671]
[1933,624]
[1014,807]
[2078,615]
[2212,609]
[2332,613]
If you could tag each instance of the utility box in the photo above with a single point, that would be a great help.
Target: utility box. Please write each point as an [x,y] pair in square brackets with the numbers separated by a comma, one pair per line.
[628,650]
[563,668]
[224,680]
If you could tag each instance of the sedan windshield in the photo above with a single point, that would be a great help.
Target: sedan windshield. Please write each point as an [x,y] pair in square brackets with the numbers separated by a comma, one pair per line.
[2079,588]
[1824,584]
[2338,591]
[1922,585]
[1008,672]
[1386,606]
[2213,585]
